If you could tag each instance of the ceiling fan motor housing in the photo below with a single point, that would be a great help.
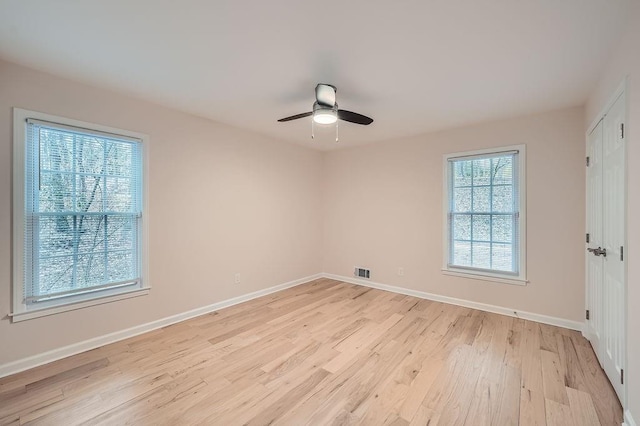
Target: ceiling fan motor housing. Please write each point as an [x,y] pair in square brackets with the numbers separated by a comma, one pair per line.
[326,94]
[318,107]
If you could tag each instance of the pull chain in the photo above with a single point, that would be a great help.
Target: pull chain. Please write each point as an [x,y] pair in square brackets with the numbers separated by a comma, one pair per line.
[312,126]
[336,132]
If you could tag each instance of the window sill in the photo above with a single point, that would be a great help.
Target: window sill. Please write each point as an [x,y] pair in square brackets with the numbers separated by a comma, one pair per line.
[485,277]
[42,312]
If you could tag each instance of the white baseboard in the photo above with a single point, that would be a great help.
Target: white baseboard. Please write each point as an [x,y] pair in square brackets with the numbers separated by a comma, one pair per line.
[560,322]
[628,420]
[587,334]
[75,348]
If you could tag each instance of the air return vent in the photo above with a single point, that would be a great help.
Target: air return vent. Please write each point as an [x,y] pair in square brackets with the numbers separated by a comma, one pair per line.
[362,273]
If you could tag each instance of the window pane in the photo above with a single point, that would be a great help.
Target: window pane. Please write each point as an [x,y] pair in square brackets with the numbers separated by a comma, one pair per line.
[76,259]
[121,233]
[55,236]
[89,192]
[462,173]
[121,266]
[70,234]
[56,151]
[462,227]
[481,171]
[462,200]
[481,255]
[90,270]
[461,253]
[502,170]
[119,198]
[502,257]
[481,228]
[55,274]
[482,200]
[502,228]
[503,199]
[119,158]
[56,192]
[89,154]
[90,233]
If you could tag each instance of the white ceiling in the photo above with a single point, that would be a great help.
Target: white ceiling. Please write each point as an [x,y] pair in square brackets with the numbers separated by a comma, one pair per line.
[414,66]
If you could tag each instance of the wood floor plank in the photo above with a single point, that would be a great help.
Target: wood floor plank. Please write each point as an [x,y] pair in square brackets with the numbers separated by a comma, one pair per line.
[531,359]
[326,352]
[424,416]
[480,409]
[548,339]
[553,377]
[508,407]
[419,387]
[350,347]
[136,409]
[453,391]
[338,389]
[582,408]
[288,400]
[27,402]
[532,409]
[558,414]
[20,380]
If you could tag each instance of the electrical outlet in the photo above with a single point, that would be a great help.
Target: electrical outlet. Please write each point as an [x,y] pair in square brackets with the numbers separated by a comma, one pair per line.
[236,278]
[401,272]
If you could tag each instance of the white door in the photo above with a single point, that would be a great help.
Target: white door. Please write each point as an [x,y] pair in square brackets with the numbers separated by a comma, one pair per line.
[613,219]
[595,273]
[606,228]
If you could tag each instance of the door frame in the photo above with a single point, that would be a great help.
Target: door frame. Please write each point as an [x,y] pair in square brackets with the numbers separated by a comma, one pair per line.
[622,89]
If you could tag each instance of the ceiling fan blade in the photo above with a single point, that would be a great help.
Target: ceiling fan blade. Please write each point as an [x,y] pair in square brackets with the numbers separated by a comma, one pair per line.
[295,117]
[326,94]
[354,117]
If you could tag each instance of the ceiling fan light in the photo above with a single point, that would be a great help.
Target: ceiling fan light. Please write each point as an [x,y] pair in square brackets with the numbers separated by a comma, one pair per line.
[325,116]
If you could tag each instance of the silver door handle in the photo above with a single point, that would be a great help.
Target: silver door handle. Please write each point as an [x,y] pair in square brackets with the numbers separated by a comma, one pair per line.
[598,251]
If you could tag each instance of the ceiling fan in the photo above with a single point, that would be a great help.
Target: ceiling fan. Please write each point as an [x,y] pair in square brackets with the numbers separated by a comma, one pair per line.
[325,110]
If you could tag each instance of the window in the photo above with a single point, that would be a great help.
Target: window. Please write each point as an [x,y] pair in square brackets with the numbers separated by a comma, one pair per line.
[485,220]
[78,213]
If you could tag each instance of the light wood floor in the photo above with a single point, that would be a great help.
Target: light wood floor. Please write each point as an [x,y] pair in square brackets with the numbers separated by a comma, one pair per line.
[326,353]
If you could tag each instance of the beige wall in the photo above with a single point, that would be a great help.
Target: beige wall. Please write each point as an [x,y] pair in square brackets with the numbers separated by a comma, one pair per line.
[625,61]
[276,212]
[383,210]
[222,201]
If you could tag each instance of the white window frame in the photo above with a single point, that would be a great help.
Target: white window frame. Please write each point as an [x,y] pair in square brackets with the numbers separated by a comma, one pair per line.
[494,276]
[20,309]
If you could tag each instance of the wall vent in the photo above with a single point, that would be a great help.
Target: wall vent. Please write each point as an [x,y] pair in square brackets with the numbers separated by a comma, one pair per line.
[362,273]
